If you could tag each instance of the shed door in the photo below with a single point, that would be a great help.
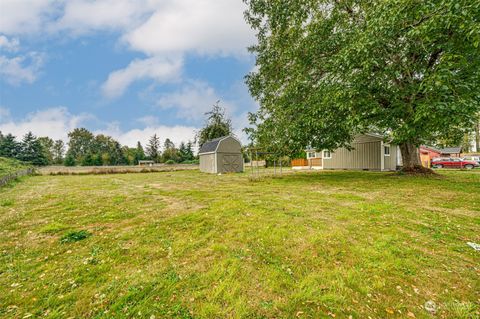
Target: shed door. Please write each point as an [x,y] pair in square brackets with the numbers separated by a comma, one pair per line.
[231,163]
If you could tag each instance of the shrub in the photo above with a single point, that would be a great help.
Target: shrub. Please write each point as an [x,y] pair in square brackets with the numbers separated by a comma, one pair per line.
[170,162]
[69,161]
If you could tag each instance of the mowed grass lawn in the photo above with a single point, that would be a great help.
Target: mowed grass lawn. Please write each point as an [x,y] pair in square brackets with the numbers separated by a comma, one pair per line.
[191,245]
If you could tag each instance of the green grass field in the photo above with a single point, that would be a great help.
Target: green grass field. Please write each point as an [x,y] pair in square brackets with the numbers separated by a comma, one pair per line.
[190,245]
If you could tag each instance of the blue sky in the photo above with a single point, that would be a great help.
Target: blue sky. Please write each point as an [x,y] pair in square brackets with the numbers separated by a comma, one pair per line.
[127,68]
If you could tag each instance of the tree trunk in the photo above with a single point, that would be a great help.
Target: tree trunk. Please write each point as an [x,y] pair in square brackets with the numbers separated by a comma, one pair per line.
[410,156]
[477,136]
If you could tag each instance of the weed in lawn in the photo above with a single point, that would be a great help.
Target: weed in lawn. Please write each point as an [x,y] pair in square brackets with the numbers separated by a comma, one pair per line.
[7,203]
[75,236]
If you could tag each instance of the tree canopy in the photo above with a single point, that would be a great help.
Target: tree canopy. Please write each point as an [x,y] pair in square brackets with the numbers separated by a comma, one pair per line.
[217,125]
[328,69]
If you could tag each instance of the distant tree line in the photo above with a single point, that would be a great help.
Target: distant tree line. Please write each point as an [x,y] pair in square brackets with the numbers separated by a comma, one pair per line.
[86,149]
[38,151]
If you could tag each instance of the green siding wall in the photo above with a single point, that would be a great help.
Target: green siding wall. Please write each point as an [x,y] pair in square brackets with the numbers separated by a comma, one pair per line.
[364,156]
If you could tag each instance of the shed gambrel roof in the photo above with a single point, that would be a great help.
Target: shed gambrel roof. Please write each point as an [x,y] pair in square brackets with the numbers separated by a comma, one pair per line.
[211,146]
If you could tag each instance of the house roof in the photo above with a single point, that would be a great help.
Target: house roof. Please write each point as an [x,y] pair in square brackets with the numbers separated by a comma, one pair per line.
[451,150]
[375,135]
[431,148]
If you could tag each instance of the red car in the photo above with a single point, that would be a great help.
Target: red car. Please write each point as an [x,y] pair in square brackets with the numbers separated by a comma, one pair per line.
[454,162]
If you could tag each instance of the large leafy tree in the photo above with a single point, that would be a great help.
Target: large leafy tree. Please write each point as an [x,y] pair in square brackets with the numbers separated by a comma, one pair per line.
[106,150]
[170,152]
[477,134]
[80,145]
[58,151]
[217,125]
[47,145]
[329,69]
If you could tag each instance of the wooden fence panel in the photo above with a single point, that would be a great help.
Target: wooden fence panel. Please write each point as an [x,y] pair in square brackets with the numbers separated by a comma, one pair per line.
[299,162]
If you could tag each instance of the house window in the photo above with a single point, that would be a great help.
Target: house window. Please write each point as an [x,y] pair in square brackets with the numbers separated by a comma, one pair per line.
[327,154]
[386,150]
[310,155]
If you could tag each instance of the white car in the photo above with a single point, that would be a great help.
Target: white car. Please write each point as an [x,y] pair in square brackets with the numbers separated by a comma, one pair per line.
[472,158]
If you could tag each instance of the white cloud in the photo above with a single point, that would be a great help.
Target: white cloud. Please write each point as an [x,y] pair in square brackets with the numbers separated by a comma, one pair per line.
[158,69]
[7,44]
[23,68]
[53,122]
[150,26]
[202,26]
[82,16]
[25,16]
[148,120]
[193,100]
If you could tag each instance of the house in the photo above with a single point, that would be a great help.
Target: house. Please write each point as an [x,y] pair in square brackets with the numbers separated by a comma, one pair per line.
[427,153]
[451,152]
[221,155]
[369,152]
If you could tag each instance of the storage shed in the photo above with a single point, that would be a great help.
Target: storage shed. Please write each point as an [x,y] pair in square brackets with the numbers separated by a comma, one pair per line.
[221,155]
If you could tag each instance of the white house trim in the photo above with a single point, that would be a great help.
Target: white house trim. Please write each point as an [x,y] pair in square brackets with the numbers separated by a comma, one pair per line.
[325,157]
[382,156]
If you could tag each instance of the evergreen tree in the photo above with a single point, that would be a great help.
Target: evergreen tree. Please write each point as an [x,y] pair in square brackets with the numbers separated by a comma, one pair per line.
[9,147]
[186,152]
[31,150]
[139,153]
[190,155]
[217,125]
[153,148]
